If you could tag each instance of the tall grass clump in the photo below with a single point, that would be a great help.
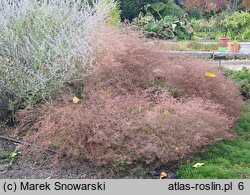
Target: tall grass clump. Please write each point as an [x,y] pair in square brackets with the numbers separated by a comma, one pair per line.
[44,44]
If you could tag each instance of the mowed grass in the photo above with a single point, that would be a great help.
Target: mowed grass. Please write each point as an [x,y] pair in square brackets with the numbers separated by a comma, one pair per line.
[225,159]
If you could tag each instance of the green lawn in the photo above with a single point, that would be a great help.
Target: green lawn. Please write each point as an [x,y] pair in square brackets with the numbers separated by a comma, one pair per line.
[223,160]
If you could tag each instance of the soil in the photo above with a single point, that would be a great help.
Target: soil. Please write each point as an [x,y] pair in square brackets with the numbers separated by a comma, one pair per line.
[24,167]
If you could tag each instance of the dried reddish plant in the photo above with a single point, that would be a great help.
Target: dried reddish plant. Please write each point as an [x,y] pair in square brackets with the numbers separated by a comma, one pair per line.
[188,75]
[124,116]
[128,64]
[106,129]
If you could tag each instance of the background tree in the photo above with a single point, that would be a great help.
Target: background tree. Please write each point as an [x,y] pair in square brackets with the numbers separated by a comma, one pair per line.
[206,7]
[131,8]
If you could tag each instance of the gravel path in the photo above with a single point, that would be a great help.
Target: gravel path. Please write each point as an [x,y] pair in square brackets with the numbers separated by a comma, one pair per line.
[245,47]
[236,64]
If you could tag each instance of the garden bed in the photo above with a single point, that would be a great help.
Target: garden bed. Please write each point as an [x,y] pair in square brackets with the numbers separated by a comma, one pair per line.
[91,101]
[138,101]
[217,164]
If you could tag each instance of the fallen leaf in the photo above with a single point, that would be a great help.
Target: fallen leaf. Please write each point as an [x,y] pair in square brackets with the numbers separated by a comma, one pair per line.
[165,113]
[209,74]
[83,176]
[109,94]
[163,175]
[75,100]
[198,165]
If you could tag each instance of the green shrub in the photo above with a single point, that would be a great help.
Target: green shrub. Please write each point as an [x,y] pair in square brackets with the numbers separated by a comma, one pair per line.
[161,20]
[243,78]
[131,8]
[204,27]
[153,27]
[162,9]
[237,25]
[245,34]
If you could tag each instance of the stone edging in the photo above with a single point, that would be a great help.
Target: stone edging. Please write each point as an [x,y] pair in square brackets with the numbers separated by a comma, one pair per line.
[212,55]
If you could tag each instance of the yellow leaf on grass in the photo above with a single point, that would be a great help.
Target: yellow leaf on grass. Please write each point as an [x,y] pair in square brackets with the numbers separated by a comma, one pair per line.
[163,175]
[75,100]
[209,74]
[198,165]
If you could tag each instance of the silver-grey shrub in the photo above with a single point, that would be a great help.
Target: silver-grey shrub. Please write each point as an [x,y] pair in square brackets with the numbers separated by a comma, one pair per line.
[45,43]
